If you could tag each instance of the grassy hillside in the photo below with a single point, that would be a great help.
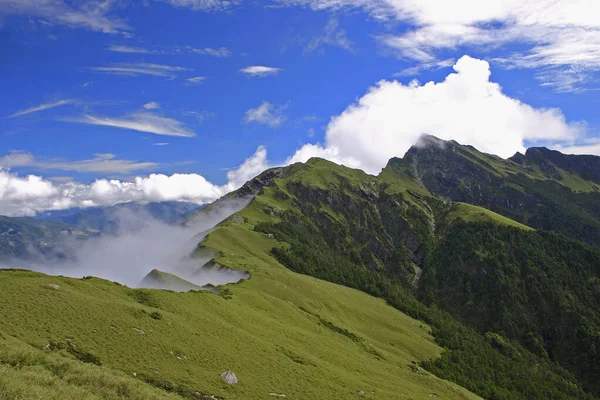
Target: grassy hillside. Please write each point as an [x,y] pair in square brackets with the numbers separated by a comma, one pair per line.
[286,331]
[368,235]
[280,332]
[471,213]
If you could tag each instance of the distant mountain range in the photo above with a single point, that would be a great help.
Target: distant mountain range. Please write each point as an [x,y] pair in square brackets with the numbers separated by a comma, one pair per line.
[26,237]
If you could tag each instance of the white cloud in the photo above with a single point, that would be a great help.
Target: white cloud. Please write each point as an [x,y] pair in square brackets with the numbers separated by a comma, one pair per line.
[466,107]
[554,33]
[219,53]
[203,5]
[135,69]
[266,114]
[91,15]
[160,144]
[142,122]
[41,107]
[586,146]
[260,71]
[105,163]
[427,66]
[152,105]
[251,167]
[129,49]
[196,80]
[30,194]
[332,36]
[209,51]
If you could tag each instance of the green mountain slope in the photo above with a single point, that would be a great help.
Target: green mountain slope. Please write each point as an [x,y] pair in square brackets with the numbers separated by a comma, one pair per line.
[543,189]
[435,278]
[280,332]
[370,233]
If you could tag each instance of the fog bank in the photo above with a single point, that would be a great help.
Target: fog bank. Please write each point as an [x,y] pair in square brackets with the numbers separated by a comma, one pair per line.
[139,245]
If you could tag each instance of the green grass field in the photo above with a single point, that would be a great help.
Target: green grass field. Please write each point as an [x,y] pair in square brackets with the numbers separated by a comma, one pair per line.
[471,213]
[280,332]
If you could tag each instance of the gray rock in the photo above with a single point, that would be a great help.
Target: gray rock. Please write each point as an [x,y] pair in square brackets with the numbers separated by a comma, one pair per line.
[53,286]
[229,377]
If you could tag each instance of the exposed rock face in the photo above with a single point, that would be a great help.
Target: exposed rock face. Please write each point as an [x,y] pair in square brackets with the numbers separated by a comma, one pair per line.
[229,377]
[254,186]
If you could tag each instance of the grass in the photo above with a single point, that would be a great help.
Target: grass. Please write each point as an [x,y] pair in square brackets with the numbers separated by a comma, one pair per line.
[471,213]
[279,332]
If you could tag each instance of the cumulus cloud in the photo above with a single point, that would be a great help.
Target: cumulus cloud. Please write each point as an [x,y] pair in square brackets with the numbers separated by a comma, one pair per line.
[558,34]
[41,107]
[141,122]
[466,106]
[266,114]
[104,163]
[31,194]
[332,36]
[92,15]
[260,71]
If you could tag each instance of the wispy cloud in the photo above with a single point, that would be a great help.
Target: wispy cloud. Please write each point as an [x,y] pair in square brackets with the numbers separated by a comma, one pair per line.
[135,69]
[260,71]
[550,34]
[220,53]
[160,144]
[94,15]
[130,49]
[103,163]
[332,36]
[141,122]
[207,51]
[41,107]
[200,115]
[204,5]
[196,79]
[426,66]
[266,114]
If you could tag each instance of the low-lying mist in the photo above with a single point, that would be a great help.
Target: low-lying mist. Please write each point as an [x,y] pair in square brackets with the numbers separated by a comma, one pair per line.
[139,245]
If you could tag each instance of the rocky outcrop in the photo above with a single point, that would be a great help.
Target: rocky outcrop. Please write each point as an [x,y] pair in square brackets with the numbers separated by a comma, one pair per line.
[229,377]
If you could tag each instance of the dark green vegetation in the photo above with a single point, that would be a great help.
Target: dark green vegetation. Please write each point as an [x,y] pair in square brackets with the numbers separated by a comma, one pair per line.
[497,260]
[364,233]
[543,189]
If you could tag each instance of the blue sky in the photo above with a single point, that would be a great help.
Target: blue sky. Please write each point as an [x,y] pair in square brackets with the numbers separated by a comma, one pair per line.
[98,93]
